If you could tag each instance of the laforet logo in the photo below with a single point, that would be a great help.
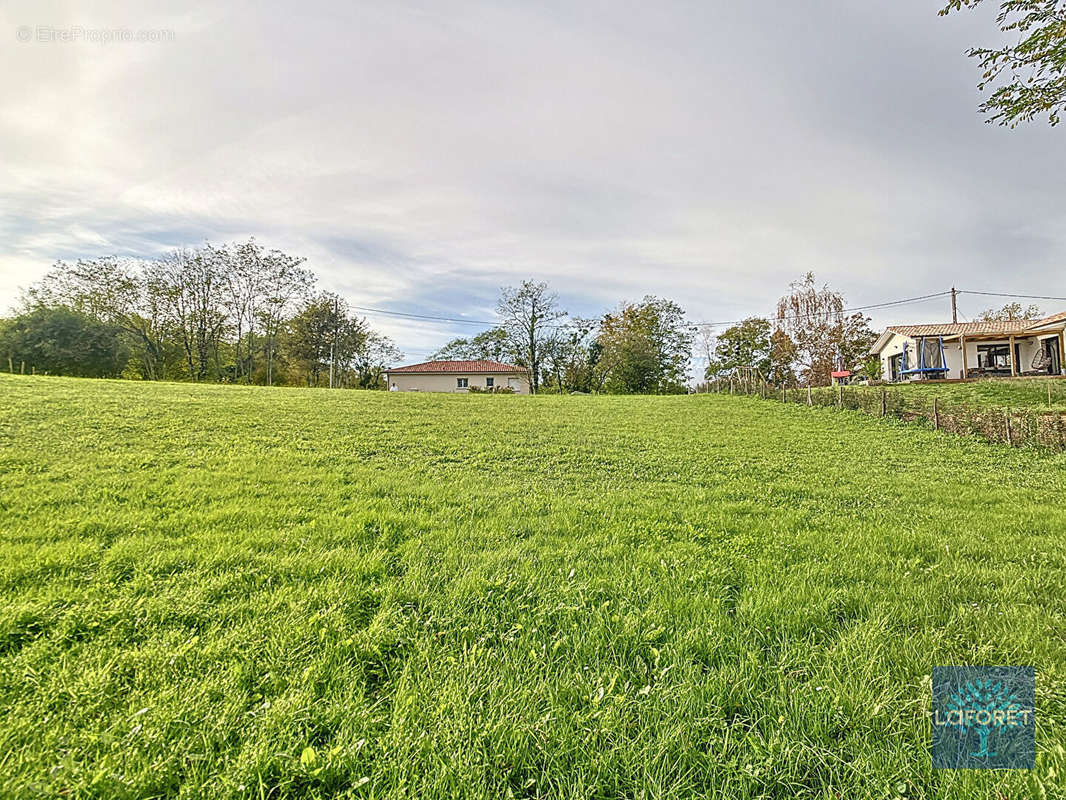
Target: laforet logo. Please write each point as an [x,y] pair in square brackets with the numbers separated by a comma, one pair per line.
[983,717]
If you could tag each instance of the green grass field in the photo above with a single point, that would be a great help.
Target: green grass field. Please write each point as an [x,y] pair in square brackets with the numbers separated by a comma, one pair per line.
[997,392]
[242,592]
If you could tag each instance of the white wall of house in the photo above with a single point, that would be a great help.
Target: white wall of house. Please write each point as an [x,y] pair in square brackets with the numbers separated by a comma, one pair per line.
[953,354]
[448,382]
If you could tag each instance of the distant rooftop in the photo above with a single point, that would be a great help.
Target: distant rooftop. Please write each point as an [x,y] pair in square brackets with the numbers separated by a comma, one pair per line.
[977,328]
[438,367]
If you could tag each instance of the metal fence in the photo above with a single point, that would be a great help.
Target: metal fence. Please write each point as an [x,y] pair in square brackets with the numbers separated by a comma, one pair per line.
[1016,427]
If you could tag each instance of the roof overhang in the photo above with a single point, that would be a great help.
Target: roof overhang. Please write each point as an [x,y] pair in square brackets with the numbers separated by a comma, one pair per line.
[882,340]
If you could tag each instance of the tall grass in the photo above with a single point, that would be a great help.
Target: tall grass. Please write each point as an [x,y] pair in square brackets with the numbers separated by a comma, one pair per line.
[244,592]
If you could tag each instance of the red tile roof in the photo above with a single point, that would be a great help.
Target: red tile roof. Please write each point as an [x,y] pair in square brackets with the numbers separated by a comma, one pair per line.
[976,328]
[966,328]
[479,366]
[1049,320]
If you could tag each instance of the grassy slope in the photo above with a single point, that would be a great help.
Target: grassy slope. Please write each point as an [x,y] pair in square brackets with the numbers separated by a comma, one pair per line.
[1001,393]
[449,595]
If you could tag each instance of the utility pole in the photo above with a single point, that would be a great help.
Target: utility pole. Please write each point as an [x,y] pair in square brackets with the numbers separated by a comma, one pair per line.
[333,343]
[954,306]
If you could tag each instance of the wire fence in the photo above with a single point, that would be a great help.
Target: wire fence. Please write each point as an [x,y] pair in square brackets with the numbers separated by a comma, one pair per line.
[1016,427]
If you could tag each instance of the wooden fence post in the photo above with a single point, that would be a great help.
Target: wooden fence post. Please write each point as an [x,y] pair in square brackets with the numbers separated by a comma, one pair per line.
[1006,415]
[840,395]
[22,368]
[810,401]
[731,386]
[884,403]
[936,415]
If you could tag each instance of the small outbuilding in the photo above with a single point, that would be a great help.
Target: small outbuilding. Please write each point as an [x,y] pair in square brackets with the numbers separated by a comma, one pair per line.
[458,376]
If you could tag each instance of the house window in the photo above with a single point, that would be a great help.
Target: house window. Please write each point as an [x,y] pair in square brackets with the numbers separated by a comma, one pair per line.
[490,382]
[461,383]
[993,356]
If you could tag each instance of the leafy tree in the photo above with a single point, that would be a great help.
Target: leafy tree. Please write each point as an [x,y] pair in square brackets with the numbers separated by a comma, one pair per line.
[192,286]
[244,276]
[284,282]
[492,345]
[372,359]
[783,354]
[1030,74]
[61,341]
[854,337]
[1010,311]
[322,336]
[216,312]
[574,360]
[743,345]
[646,347]
[528,313]
[823,337]
[113,291]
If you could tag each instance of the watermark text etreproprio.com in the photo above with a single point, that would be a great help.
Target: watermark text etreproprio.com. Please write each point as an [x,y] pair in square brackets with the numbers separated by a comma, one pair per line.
[68,34]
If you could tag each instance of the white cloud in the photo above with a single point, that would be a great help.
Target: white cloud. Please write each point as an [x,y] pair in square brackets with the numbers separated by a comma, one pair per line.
[426,153]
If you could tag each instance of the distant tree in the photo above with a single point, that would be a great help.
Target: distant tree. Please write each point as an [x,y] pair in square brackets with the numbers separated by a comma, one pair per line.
[244,278]
[214,313]
[492,345]
[373,358]
[192,285]
[322,335]
[809,315]
[813,319]
[1030,74]
[744,345]
[854,337]
[324,332]
[284,283]
[1010,311]
[529,312]
[113,291]
[61,341]
[646,347]
[783,354]
[574,360]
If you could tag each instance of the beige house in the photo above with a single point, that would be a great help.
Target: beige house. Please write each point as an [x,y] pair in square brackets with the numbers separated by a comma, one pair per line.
[1003,348]
[458,376]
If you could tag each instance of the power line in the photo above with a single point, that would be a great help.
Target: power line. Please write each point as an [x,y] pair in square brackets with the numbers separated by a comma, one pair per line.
[888,304]
[421,316]
[1005,294]
[467,321]
[854,309]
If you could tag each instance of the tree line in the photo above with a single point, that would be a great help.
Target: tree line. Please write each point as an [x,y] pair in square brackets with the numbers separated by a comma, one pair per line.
[638,348]
[240,313]
[235,313]
[809,336]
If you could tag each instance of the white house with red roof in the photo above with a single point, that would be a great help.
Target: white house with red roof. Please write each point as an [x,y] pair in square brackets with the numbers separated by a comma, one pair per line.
[458,376]
[1003,348]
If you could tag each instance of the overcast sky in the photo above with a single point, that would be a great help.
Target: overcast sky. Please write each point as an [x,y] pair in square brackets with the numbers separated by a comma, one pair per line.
[421,155]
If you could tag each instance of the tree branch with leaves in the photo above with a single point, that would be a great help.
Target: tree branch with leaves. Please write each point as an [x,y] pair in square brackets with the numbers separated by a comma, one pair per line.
[1028,76]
